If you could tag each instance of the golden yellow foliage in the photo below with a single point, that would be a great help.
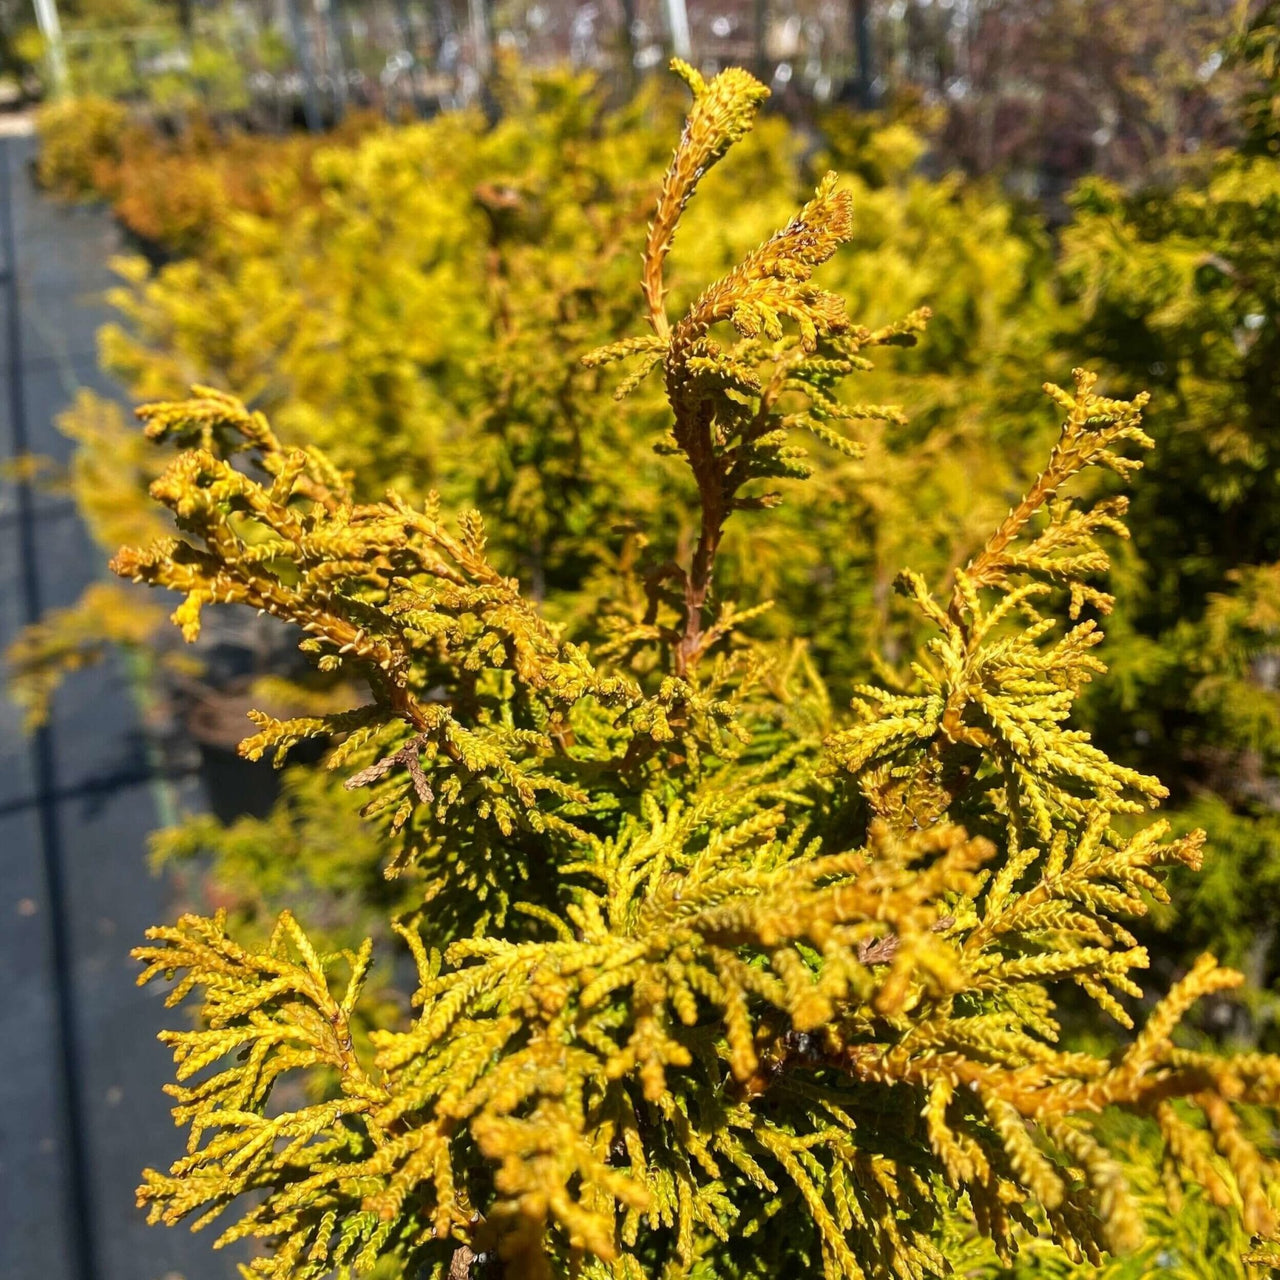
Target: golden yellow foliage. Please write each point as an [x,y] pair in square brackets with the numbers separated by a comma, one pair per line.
[711,979]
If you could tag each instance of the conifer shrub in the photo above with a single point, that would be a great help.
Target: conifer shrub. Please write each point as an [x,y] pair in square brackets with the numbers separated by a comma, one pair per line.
[1257,48]
[1179,289]
[414,299]
[79,145]
[714,976]
[176,192]
[418,310]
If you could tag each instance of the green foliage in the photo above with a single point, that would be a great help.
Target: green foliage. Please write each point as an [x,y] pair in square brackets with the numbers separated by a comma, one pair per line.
[142,52]
[713,979]
[1179,289]
[312,847]
[78,137]
[1257,49]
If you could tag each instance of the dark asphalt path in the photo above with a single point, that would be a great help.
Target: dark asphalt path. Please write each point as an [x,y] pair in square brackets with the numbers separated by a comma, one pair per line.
[81,1107]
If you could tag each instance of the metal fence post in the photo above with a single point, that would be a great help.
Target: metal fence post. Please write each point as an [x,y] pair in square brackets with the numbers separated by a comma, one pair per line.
[477,12]
[51,30]
[335,60]
[306,62]
[678,24]
[861,23]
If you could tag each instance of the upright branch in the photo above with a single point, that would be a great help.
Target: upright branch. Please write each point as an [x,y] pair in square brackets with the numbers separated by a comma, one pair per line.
[996,689]
[735,406]
[723,112]
[1064,550]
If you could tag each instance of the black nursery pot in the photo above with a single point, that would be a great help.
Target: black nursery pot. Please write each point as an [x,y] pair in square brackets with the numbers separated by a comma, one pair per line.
[235,787]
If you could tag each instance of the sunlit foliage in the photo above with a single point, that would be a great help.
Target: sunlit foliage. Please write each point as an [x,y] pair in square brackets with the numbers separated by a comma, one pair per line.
[714,978]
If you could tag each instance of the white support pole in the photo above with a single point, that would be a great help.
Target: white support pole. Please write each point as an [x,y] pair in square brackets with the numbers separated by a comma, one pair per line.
[678,21]
[477,14]
[51,30]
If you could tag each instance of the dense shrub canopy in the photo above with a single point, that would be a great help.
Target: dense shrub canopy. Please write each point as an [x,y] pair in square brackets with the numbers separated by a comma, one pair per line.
[714,976]
[414,300]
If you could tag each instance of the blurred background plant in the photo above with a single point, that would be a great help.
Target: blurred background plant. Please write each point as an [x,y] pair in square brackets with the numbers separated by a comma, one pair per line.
[409,288]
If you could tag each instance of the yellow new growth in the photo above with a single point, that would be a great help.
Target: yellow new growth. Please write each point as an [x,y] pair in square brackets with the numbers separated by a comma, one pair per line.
[696,995]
